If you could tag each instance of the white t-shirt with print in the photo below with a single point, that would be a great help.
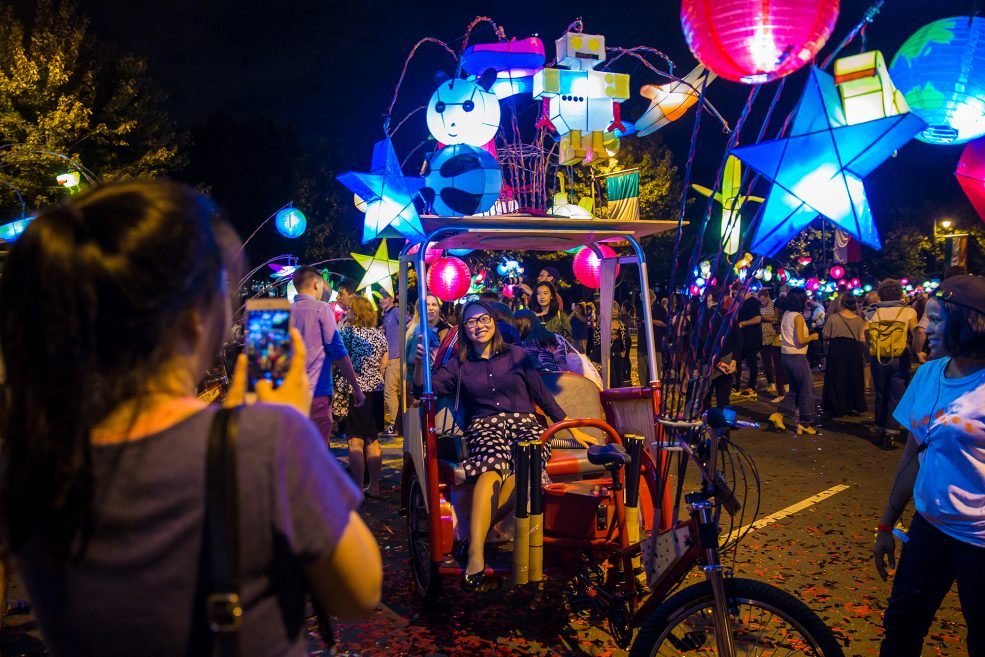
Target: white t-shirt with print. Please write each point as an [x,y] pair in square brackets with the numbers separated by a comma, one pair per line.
[947,419]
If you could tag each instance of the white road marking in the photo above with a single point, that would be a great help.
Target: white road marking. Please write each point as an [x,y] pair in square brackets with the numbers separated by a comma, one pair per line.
[788,511]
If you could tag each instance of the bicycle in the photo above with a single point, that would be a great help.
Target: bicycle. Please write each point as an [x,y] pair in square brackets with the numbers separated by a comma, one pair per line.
[730,615]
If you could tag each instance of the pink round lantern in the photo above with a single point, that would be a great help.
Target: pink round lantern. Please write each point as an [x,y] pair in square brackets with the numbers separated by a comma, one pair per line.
[430,255]
[508,291]
[588,267]
[695,290]
[754,42]
[837,272]
[813,284]
[781,275]
[854,283]
[449,279]
[338,310]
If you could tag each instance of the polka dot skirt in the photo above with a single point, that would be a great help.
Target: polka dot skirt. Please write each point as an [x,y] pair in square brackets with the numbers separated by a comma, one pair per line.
[490,441]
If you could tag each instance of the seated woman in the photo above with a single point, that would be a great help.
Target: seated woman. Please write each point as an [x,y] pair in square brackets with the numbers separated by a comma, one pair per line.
[547,352]
[498,386]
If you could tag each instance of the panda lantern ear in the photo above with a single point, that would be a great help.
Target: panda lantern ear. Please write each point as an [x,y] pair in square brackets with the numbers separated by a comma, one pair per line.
[487,79]
[440,77]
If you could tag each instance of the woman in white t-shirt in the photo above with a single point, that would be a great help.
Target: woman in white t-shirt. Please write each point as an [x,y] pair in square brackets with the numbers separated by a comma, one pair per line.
[943,468]
[799,403]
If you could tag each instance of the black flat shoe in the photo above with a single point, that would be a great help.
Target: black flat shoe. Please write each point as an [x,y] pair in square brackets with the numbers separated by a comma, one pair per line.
[479,583]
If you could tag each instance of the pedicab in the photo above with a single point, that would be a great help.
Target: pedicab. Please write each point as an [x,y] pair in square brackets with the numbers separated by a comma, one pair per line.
[607,525]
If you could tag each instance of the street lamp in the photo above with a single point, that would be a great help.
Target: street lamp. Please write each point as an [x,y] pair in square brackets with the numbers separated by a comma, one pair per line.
[946,225]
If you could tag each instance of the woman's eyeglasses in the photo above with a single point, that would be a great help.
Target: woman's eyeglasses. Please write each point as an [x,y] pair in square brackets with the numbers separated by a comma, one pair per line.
[472,322]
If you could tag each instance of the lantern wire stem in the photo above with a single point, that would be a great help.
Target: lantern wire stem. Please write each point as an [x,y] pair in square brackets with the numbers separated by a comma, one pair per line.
[868,17]
[262,224]
[403,73]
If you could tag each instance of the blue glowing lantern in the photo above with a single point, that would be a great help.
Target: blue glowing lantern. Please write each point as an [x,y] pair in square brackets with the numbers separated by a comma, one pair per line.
[10,232]
[941,72]
[291,222]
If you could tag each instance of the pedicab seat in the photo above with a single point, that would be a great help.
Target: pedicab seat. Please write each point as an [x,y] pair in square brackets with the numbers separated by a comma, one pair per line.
[577,396]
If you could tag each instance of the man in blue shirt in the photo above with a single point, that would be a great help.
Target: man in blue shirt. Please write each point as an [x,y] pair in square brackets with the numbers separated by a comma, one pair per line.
[391,377]
[315,321]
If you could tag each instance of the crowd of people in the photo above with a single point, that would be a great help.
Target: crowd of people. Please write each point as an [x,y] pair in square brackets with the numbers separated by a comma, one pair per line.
[99,416]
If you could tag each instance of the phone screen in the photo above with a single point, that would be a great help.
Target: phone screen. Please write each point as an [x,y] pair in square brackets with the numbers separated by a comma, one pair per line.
[268,345]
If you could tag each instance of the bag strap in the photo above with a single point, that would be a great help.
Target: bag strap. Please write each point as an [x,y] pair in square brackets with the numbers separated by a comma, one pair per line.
[222,604]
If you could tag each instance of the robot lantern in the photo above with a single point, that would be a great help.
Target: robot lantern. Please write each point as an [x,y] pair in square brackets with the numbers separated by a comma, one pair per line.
[580,103]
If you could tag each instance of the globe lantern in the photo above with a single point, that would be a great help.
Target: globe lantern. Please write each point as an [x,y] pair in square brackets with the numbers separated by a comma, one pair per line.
[755,42]
[449,279]
[290,222]
[837,272]
[588,267]
[940,70]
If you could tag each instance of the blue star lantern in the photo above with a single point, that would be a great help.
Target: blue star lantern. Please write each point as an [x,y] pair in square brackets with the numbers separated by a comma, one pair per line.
[819,168]
[388,195]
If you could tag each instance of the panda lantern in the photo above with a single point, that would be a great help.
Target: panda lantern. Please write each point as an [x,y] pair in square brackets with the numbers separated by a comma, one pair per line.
[463,176]
[464,111]
[580,103]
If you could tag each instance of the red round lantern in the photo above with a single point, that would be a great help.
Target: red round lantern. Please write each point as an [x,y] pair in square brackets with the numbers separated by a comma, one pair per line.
[781,275]
[588,267]
[449,279]
[338,310]
[430,255]
[837,272]
[754,42]
[694,290]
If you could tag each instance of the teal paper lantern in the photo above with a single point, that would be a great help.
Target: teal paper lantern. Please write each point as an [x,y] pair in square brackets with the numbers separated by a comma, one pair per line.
[290,222]
[941,72]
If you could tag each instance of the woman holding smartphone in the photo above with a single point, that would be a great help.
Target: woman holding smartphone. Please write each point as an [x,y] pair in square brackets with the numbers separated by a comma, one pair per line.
[102,496]
[498,386]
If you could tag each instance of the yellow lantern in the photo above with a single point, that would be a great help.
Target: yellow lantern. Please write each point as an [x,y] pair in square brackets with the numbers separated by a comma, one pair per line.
[867,92]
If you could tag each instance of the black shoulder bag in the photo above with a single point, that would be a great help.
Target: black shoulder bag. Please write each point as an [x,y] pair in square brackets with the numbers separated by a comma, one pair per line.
[223,609]
[222,604]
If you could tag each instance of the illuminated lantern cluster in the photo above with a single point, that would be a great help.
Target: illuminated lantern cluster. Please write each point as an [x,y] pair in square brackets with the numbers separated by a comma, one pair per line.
[941,72]
[756,42]
[449,279]
[588,267]
[290,222]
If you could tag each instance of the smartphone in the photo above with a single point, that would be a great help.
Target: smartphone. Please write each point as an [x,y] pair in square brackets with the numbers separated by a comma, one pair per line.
[268,340]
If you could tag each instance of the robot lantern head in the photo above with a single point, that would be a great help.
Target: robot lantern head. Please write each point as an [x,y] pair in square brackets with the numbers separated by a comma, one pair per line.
[580,51]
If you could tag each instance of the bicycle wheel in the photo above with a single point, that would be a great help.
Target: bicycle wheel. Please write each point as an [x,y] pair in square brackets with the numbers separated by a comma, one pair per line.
[427,581]
[766,621]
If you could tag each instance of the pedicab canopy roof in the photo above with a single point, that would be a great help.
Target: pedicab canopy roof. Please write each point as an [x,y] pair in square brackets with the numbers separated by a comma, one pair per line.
[528,233]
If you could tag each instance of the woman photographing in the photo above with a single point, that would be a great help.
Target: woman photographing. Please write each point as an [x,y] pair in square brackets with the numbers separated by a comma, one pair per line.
[102,497]
[497,385]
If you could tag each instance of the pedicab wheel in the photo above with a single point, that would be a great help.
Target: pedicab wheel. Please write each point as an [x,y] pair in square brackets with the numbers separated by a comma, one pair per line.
[427,581]
[765,620]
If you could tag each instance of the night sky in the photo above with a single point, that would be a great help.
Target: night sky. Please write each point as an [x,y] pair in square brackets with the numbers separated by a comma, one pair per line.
[328,68]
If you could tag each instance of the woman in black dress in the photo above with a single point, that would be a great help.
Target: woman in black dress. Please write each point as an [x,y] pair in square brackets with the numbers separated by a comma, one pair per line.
[844,377]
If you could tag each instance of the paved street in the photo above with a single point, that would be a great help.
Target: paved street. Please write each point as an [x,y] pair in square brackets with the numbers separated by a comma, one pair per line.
[818,549]
[820,552]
